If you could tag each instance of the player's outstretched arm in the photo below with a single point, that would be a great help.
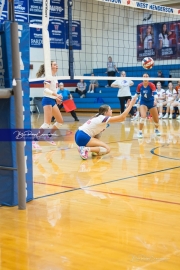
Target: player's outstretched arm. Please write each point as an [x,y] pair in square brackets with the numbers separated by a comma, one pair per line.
[122,117]
[114,85]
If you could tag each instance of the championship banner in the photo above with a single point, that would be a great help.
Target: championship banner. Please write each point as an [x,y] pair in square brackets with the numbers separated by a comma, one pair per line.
[143,5]
[21,18]
[36,32]
[76,35]
[56,8]
[158,40]
[57,33]
[20,6]
[3,16]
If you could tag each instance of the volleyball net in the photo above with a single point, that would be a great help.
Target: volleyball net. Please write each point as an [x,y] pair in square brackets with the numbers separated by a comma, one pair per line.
[126,30]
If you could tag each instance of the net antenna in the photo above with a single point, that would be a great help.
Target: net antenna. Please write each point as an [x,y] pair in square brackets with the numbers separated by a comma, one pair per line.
[71,70]
[46,40]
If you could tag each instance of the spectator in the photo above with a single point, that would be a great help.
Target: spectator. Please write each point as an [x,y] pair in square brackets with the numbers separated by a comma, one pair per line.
[160,75]
[177,88]
[65,96]
[176,103]
[81,88]
[124,92]
[93,84]
[171,96]
[160,99]
[111,70]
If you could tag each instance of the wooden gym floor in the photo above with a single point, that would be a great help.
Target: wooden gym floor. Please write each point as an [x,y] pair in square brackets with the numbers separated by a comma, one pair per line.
[116,212]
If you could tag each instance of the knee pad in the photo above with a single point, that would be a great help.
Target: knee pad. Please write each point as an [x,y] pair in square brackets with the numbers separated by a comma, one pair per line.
[45,126]
[171,107]
[102,150]
[168,104]
[142,120]
[58,125]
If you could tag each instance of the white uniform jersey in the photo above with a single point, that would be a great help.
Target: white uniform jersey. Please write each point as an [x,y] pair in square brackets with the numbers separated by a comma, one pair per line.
[124,87]
[53,86]
[161,94]
[148,42]
[95,125]
[170,94]
[165,40]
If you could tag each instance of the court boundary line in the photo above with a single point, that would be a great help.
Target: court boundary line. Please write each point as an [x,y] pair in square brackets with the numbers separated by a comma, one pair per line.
[153,153]
[112,193]
[112,181]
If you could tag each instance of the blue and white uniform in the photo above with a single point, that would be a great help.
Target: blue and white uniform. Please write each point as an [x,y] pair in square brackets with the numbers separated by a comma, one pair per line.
[90,129]
[147,94]
[48,98]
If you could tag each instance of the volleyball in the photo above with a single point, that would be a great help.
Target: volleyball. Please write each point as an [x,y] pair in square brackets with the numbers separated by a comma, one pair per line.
[147,63]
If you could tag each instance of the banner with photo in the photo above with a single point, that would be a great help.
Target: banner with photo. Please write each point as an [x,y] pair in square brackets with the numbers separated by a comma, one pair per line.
[36,33]
[161,41]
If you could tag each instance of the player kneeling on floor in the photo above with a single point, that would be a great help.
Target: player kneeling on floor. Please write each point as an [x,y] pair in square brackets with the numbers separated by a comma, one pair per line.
[88,135]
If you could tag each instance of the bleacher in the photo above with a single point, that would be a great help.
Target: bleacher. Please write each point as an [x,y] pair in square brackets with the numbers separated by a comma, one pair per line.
[103,95]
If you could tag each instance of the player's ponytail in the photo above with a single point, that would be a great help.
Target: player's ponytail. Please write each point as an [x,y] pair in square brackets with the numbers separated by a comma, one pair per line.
[102,109]
[41,71]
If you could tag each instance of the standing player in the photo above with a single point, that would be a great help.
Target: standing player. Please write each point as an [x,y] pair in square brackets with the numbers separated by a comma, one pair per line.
[147,102]
[49,105]
[87,136]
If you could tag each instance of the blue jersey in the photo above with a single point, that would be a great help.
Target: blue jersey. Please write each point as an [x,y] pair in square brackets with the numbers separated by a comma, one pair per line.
[147,93]
[65,94]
